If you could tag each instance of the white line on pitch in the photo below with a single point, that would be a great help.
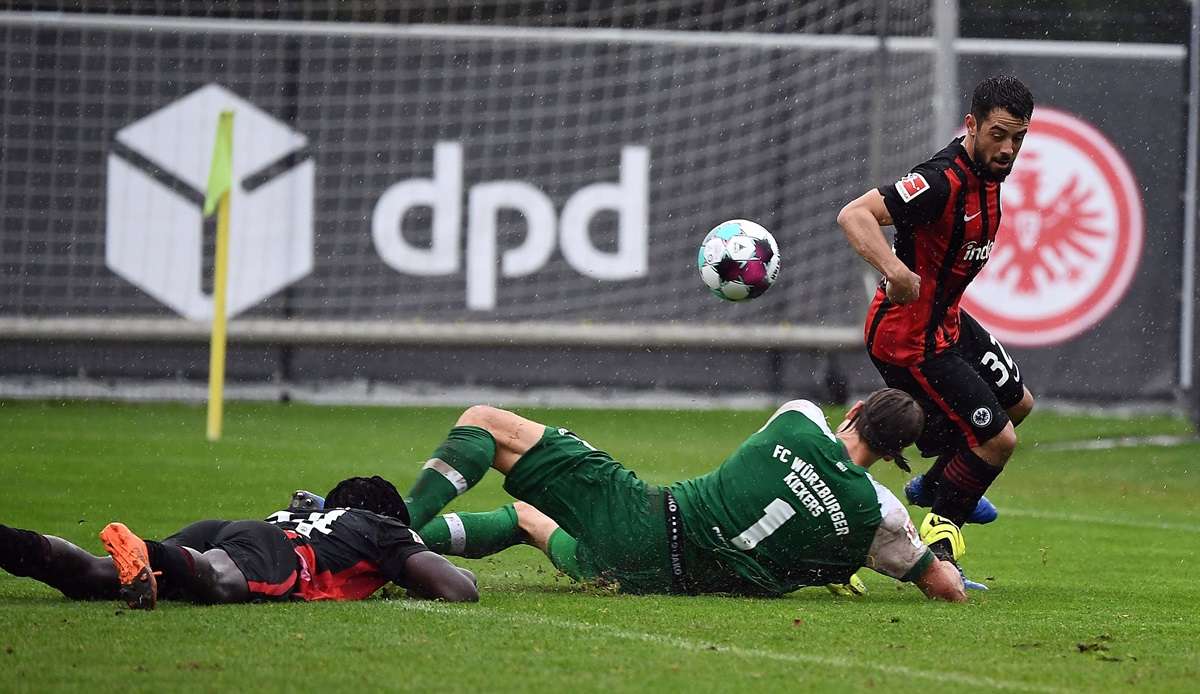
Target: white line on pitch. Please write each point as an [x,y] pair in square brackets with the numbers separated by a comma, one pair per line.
[940,677]
[1161,441]
[1098,520]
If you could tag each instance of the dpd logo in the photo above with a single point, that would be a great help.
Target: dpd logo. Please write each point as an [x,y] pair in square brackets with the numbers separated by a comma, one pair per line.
[485,262]
[1070,236]
[157,173]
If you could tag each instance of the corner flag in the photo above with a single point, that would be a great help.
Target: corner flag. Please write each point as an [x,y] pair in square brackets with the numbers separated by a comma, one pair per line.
[220,172]
[220,183]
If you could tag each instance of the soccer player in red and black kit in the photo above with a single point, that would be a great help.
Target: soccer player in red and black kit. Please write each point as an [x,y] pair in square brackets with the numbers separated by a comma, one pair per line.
[946,212]
[334,553]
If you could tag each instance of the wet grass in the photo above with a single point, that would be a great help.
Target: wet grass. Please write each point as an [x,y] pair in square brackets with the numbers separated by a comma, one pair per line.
[1091,565]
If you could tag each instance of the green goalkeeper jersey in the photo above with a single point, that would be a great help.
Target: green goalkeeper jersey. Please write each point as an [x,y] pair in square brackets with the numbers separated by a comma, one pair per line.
[789,509]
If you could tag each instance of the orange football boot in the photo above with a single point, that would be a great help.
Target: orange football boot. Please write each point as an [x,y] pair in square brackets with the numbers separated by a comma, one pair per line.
[139,589]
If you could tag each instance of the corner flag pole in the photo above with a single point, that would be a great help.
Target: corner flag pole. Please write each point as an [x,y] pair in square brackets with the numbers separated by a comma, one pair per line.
[220,183]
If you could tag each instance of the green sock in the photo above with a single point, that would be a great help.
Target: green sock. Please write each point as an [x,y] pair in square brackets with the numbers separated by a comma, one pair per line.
[456,466]
[561,550]
[473,535]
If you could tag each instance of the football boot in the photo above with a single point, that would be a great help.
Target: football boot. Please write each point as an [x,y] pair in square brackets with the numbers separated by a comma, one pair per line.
[139,589]
[919,495]
[945,539]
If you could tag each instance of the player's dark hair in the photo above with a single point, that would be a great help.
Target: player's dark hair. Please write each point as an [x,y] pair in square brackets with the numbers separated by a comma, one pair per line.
[1001,91]
[373,494]
[889,422]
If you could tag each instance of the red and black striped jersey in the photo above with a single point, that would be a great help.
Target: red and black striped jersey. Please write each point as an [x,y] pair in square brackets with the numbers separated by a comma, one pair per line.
[946,217]
[347,554]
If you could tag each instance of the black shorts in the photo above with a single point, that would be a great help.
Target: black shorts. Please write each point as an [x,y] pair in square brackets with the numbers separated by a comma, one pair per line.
[262,552]
[964,390]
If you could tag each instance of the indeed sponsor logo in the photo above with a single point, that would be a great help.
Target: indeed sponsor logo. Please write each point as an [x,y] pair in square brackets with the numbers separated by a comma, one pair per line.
[975,251]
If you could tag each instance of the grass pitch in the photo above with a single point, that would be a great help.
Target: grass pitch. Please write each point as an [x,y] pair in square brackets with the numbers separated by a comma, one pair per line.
[1093,567]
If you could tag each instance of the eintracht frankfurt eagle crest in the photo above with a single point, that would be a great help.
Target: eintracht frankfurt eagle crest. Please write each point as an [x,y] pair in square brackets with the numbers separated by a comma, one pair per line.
[1070,236]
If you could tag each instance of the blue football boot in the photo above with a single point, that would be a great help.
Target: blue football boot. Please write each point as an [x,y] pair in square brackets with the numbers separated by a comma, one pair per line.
[917,495]
[969,584]
[303,501]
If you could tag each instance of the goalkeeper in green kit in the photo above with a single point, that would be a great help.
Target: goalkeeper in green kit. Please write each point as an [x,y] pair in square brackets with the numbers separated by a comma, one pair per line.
[793,506]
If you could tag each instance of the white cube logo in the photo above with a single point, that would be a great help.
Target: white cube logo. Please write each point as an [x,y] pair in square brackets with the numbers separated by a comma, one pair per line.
[155,229]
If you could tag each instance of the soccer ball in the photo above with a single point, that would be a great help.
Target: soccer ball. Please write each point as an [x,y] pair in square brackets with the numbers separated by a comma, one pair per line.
[738,260]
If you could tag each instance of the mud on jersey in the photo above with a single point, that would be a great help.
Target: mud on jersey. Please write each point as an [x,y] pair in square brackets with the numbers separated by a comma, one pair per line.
[789,509]
[946,217]
[347,554]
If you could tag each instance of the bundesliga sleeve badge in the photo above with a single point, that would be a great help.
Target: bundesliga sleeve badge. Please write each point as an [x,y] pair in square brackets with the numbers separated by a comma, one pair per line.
[911,186]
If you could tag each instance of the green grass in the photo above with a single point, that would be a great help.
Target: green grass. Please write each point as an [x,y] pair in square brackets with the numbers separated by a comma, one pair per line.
[1098,551]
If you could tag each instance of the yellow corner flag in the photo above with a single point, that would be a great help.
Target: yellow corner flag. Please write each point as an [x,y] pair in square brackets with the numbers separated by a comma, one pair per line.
[220,172]
[220,183]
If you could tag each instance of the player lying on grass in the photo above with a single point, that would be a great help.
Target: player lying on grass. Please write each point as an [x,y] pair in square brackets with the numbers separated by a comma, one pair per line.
[335,554]
[793,506]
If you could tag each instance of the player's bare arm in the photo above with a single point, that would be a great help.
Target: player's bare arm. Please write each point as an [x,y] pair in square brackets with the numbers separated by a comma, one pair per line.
[428,575]
[942,581]
[1017,413]
[862,220]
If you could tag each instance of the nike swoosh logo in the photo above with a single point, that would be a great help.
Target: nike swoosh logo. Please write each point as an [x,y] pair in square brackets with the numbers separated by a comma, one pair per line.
[967,218]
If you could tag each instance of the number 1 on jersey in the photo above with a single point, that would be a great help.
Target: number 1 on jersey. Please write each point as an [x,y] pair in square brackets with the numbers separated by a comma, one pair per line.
[774,515]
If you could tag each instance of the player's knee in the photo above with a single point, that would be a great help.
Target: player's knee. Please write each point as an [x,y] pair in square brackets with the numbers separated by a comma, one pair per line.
[487,417]
[476,416]
[1000,447]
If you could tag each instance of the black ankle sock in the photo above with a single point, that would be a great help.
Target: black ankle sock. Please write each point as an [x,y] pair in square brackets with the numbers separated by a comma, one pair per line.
[178,569]
[933,477]
[23,552]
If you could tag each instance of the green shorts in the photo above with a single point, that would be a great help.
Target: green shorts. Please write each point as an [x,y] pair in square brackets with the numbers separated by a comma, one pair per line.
[618,521]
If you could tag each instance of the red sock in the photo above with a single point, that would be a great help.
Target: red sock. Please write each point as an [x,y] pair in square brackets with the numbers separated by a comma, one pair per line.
[964,480]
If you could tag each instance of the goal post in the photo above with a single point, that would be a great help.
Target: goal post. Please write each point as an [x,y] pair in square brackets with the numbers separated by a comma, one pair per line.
[1189,356]
[454,175]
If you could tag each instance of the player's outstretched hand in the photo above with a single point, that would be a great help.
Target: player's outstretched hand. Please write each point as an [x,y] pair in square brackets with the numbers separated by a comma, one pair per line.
[904,288]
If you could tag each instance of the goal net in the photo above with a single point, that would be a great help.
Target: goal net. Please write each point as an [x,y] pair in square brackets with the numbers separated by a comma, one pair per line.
[449,163]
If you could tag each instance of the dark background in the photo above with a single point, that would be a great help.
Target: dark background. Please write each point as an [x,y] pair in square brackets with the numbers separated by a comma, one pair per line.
[1138,104]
